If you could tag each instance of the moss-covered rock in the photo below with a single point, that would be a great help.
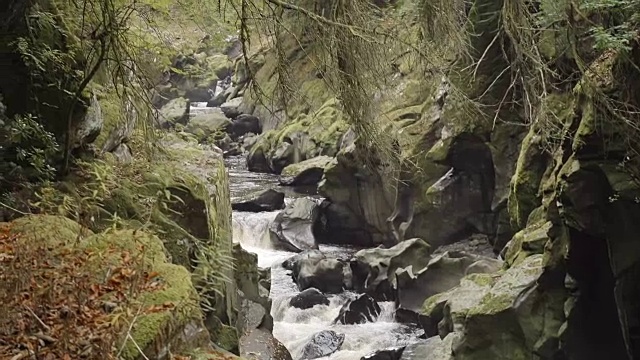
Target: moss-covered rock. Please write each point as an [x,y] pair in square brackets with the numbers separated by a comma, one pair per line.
[202,126]
[167,315]
[302,138]
[174,112]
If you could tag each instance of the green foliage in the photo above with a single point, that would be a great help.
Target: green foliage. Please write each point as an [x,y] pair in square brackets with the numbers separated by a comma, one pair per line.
[27,151]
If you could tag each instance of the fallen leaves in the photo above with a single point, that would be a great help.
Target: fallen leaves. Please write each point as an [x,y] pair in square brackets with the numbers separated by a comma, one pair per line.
[57,305]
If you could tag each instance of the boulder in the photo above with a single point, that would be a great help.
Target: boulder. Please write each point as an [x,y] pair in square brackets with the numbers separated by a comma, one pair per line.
[268,200]
[231,108]
[443,272]
[122,153]
[340,226]
[387,354]
[174,112]
[498,316]
[199,90]
[294,262]
[374,269]
[257,160]
[322,344]
[327,275]
[248,141]
[306,173]
[245,124]
[259,344]
[358,311]
[249,279]
[89,128]
[308,299]
[207,124]
[221,98]
[234,47]
[293,227]
[250,316]
[432,348]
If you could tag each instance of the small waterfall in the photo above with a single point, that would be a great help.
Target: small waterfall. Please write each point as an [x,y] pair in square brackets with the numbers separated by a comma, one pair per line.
[294,327]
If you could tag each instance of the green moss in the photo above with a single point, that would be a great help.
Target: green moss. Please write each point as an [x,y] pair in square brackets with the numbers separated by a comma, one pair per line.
[228,338]
[481,279]
[49,229]
[432,302]
[557,110]
[177,287]
[112,112]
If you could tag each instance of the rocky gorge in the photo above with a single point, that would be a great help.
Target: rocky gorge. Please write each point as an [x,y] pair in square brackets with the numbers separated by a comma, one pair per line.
[500,225]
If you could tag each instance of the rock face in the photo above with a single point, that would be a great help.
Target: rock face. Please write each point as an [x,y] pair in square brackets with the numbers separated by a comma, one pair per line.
[322,344]
[308,299]
[361,310]
[374,269]
[442,273]
[293,227]
[360,196]
[484,305]
[304,137]
[339,225]
[306,173]
[268,200]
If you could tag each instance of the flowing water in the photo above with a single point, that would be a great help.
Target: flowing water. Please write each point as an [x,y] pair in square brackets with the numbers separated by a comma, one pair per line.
[294,327]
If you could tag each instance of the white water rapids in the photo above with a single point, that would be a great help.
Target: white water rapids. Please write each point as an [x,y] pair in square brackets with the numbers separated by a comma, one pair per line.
[294,327]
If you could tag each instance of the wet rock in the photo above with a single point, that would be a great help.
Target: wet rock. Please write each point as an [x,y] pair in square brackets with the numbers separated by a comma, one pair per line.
[257,160]
[245,124]
[221,98]
[231,108]
[322,344]
[326,275]
[259,344]
[361,310]
[293,227]
[255,310]
[340,226]
[250,315]
[388,354]
[306,173]
[308,299]
[432,348]
[269,200]
[374,269]
[294,262]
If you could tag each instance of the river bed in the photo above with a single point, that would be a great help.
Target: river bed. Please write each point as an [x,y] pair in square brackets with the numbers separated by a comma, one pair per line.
[294,327]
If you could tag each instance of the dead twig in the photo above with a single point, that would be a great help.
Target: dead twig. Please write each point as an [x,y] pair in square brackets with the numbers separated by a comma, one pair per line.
[44,326]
